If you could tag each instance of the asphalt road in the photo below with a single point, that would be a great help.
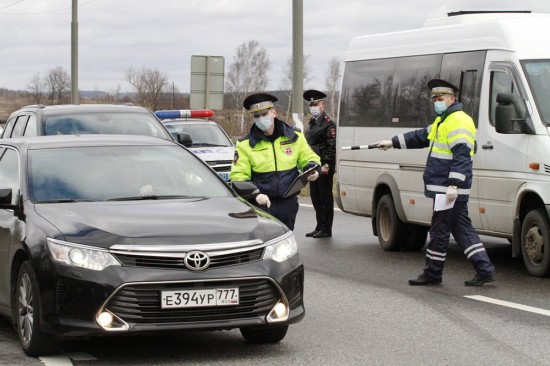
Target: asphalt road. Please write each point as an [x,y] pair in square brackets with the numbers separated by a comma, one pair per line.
[360,310]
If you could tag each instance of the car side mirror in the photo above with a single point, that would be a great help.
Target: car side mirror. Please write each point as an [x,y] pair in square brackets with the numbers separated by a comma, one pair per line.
[185,139]
[5,196]
[245,189]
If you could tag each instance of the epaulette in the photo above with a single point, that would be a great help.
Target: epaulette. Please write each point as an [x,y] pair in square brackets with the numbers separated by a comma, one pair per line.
[327,118]
[296,129]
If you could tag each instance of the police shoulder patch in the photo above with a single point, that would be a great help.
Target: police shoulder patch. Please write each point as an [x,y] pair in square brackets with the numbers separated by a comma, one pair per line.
[332,132]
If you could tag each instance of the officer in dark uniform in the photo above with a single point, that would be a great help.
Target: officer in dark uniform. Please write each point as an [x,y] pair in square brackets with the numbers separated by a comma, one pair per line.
[321,136]
[271,156]
[450,139]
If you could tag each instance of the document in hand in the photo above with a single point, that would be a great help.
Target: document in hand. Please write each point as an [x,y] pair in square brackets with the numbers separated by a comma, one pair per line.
[299,183]
[441,204]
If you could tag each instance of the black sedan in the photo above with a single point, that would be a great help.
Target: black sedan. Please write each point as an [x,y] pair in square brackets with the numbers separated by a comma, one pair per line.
[105,235]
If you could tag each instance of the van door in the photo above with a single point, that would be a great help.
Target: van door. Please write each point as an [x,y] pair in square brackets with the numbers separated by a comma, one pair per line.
[501,158]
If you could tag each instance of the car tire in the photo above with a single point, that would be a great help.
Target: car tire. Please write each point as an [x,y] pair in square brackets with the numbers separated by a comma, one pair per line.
[535,243]
[392,232]
[264,335]
[27,311]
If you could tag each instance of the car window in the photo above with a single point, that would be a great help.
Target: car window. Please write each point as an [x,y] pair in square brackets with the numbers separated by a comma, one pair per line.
[9,127]
[104,123]
[117,172]
[201,134]
[9,172]
[32,128]
[20,125]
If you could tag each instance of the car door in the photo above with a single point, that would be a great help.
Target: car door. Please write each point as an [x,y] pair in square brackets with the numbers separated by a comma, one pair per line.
[9,178]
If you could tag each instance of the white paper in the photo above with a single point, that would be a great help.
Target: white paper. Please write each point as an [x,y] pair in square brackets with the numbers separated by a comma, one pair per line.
[441,204]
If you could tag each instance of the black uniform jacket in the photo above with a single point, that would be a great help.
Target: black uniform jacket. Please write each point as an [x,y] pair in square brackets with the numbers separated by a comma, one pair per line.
[321,136]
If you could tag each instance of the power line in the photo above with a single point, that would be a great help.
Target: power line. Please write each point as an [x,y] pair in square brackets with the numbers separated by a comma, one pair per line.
[43,12]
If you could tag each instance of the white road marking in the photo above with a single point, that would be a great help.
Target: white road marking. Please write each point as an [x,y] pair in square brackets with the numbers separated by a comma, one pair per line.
[509,304]
[59,360]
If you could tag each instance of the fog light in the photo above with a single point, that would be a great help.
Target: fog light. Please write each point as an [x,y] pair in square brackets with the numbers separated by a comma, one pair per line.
[280,310]
[105,319]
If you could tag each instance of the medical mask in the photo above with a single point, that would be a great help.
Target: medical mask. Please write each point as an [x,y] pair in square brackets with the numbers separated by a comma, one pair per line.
[264,123]
[440,107]
[315,111]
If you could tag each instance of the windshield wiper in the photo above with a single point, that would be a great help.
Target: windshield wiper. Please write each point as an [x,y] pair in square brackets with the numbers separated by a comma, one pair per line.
[152,197]
[63,200]
[207,144]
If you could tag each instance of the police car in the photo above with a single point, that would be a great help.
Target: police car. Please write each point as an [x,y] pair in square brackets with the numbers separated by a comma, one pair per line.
[203,137]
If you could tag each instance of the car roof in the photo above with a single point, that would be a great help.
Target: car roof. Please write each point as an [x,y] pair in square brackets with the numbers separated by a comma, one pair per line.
[57,141]
[75,108]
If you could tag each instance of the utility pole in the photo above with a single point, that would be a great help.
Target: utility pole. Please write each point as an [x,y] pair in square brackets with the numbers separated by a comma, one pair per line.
[298,62]
[74,54]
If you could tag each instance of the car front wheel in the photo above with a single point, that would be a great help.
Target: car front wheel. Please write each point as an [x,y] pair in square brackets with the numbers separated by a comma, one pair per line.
[33,341]
[264,335]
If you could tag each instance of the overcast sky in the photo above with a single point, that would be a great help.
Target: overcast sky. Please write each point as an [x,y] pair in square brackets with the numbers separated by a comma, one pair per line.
[163,34]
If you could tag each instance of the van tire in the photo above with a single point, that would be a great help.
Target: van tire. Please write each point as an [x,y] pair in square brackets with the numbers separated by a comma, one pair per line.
[535,243]
[392,232]
[417,237]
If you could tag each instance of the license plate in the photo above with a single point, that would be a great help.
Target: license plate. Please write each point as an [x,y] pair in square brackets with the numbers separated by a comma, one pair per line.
[197,298]
[224,175]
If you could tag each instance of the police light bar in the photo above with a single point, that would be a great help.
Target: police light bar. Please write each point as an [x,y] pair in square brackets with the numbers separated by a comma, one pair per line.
[185,113]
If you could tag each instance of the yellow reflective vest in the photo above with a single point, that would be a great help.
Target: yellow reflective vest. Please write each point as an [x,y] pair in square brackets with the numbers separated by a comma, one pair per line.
[272,165]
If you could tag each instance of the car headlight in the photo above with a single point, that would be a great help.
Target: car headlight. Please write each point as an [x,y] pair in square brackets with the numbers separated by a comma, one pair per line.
[281,250]
[80,255]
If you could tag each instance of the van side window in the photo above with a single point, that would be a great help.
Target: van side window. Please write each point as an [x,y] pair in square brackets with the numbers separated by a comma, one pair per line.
[9,127]
[538,75]
[389,92]
[501,82]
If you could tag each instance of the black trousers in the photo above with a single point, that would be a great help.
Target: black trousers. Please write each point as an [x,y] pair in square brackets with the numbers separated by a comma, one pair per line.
[284,209]
[457,222]
[323,201]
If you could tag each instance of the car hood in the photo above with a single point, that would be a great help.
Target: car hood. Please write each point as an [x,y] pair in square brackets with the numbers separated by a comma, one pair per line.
[162,222]
[214,153]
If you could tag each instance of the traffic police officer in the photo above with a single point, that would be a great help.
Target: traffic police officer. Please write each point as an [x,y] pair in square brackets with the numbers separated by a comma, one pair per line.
[271,156]
[451,141]
[321,136]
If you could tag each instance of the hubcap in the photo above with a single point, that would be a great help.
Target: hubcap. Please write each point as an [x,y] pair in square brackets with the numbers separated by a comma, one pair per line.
[26,313]
[534,245]
[385,223]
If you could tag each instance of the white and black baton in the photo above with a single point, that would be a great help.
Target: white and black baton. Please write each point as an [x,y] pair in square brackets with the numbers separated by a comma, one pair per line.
[360,147]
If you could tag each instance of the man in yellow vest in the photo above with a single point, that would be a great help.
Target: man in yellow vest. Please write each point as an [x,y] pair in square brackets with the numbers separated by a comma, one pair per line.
[451,141]
[272,156]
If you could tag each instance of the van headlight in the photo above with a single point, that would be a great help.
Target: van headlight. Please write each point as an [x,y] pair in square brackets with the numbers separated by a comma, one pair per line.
[82,256]
[281,250]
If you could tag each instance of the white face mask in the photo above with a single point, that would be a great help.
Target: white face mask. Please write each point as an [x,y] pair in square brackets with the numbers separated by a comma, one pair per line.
[315,111]
[264,123]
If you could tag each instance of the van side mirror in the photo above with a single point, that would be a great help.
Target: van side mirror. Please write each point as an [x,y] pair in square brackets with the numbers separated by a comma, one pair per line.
[510,114]
[184,138]
[5,196]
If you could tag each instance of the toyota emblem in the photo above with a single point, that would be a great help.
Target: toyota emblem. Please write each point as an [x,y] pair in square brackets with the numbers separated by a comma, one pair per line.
[196,260]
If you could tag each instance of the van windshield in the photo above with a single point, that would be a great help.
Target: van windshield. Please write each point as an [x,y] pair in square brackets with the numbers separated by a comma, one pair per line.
[538,74]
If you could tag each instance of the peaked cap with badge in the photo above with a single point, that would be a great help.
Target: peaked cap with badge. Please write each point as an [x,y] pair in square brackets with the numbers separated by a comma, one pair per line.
[441,87]
[259,102]
[313,96]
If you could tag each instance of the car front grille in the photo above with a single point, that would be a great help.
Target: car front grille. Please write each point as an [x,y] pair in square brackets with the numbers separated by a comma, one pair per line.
[140,303]
[165,262]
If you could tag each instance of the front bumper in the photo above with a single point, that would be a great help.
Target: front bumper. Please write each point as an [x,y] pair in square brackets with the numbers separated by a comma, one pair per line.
[72,300]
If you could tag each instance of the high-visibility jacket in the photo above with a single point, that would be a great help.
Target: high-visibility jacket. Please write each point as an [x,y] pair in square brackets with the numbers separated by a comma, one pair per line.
[451,141]
[272,166]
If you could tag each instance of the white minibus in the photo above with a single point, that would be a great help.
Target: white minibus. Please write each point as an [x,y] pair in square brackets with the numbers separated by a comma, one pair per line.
[501,63]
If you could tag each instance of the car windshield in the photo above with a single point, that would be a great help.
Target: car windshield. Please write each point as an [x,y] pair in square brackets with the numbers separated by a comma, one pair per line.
[201,134]
[538,74]
[119,173]
[116,123]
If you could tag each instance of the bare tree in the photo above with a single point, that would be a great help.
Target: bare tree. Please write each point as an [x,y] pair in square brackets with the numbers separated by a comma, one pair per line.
[288,76]
[247,74]
[149,84]
[332,79]
[36,88]
[57,83]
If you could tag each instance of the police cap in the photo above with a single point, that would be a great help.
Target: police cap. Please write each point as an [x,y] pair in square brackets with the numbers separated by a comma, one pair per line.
[258,102]
[313,96]
[441,87]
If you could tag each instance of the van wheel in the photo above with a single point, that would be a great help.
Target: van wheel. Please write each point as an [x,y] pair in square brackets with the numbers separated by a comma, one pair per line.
[391,230]
[264,335]
[535,243]
[33,341]
[416,238]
